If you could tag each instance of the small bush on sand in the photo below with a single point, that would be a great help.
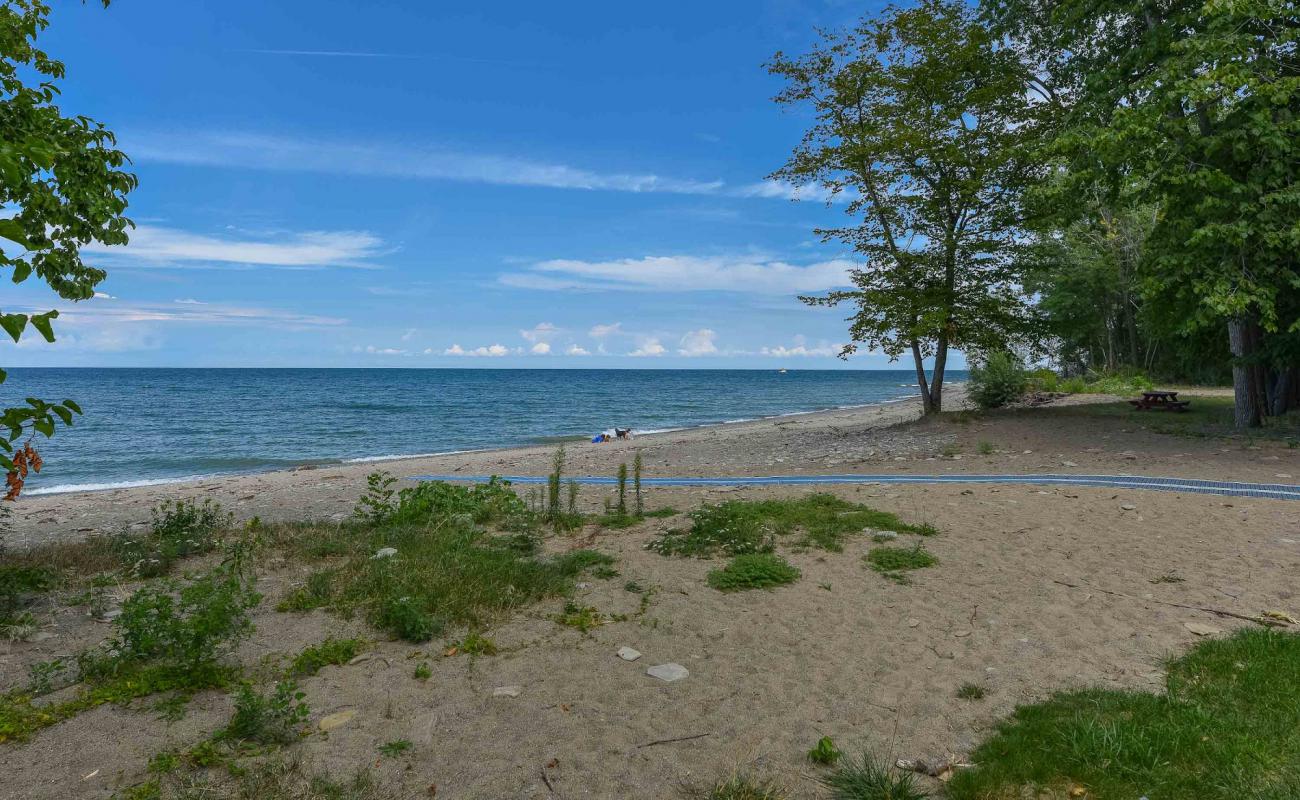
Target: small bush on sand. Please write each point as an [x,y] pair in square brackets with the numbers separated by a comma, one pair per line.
[739,527]
[493,503]
[330,652]
[1224,728]
[1000,380]
[179,529]
[867,778]
[274,718]
[376,505]
[825,752]
[898,559]
[753,571]
[742,787]
[263,779]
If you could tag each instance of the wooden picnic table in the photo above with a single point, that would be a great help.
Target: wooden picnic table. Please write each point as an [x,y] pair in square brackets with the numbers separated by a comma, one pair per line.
[1160,401]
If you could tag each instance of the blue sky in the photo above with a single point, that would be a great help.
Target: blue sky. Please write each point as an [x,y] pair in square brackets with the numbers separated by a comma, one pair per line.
[420,185]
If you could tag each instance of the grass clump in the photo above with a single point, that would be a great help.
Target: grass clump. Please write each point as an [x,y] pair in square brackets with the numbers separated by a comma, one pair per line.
[740,527]
[580,617]
[868,778]
[448,570]
[753,571]
[743,787]
[971,691]
[265,779]
[824,752]
[395,748]
[891,561]
[476,644]
[330,652]
[1226,727]
[422,671]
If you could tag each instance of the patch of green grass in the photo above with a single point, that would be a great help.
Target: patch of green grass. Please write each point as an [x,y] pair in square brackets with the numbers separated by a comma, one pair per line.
[618,520]
[753,571]
[743,787]
[985,448]
[824,752]
[1169,578]
[950,450]
[583,618]
[1226,727]
[448,571]
[604,572]
[661,512]
[892,560]
[1206,417]
[740,527]
[971,691]
[476,644]
[422,671]
[869,778]
[330,652]
[273,718]
[275,778]
[395,748]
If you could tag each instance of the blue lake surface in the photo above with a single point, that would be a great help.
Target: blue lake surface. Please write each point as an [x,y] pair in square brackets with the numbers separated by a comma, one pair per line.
[147,425]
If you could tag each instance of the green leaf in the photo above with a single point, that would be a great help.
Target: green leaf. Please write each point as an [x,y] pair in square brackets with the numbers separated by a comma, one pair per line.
[21,270]
[41,322]
[64,414]
[14,324]
[10,229]
[72,405]
[6,464]
[3,375]
[45,426]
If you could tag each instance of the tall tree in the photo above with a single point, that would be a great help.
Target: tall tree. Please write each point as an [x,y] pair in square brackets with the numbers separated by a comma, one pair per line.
[1200,99]
[919,124]
[61,186]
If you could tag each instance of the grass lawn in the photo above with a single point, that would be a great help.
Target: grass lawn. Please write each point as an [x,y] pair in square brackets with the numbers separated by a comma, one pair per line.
[1227,728]
[1206,416]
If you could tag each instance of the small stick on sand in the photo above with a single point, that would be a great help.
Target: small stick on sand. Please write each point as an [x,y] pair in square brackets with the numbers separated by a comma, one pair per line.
[675,739]
[1207,609]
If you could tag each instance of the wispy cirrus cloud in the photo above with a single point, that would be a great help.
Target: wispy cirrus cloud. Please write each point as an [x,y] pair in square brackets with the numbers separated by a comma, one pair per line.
[191,311]
[684,274]
[391,160]
[158,246]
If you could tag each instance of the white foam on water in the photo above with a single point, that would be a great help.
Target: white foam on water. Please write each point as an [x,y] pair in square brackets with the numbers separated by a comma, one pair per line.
[64,488]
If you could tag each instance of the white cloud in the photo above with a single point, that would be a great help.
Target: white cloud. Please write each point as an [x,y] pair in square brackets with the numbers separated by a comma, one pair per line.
[187,312]
[490,351]
[104,296]
[601,331]
[391,160]
[409,334]
[190,301]
[542,332]
[685,273]
[380,351]
[172,247]
[801,349]
[575,350]
[698,343]
[541,349]
[789,191]
[649,348]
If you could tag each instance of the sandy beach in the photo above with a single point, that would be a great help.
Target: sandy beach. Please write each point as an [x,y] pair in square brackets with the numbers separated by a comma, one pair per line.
[1036,590]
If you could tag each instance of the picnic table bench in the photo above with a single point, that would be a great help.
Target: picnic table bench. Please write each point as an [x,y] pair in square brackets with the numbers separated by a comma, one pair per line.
[1160,401]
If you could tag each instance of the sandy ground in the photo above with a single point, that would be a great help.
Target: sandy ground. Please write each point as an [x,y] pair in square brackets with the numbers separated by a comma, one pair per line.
[843,652]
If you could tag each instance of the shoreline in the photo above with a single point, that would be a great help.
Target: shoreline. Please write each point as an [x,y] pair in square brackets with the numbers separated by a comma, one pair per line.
[544,441]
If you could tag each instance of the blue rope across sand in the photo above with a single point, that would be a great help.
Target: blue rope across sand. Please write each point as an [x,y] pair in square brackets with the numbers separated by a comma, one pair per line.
[1276,491]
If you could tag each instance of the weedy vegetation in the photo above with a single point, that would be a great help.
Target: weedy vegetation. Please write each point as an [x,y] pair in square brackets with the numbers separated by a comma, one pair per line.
[893,562]
[740,527]
[753,571]
[824,752]
[743,787]
[869,778]
[331,652]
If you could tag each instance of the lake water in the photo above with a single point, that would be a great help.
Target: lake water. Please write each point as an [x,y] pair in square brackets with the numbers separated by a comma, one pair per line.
[153,425]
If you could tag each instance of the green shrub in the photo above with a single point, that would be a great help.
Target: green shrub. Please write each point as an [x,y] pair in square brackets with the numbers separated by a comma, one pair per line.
[275,718]
[1044,379]
[330,652]
[492,502]
[16,582]
[314,593]
[395,748]
[376,505]
[1001,379]
[971,691]
[753,571]
[185,627]
[178,529]
[404,618]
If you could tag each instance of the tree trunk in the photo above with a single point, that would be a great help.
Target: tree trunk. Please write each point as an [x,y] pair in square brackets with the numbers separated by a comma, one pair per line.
[1247,410]
[936,379]
[926,400]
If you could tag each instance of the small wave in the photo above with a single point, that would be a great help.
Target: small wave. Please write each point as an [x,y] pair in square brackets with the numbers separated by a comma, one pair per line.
[64,488]
[401,456]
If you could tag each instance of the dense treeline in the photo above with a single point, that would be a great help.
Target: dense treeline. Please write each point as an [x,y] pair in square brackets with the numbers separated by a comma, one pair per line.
[1109,185]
